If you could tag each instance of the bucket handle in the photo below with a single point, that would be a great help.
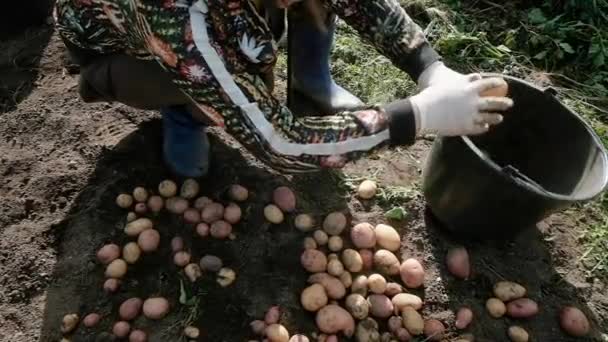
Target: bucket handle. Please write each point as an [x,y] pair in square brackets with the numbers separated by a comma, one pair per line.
[518,176]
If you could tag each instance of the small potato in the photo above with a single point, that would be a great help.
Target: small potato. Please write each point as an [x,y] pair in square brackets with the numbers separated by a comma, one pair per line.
[496,308]
[299,338]
[387,337]
[508,291]
[359,285]
[141,208]
[189,189]
[116,269]
[277,333]
[149,240]
[211,263]
[273,315]
[238,193]
[522,308]
[111,285]
[352,260]
[380,306]
[335,244]
[313,297]
[310,243]
[91,320]
[412,321]
[138,336]
[212,212]
[367,330]
[403,300]
[284,198]
[131,252]
[458,262]
[258,327]
[518,334]
[335,268]
[225,277]
[393,289]
[135,228]
[333,286]
[69,323]
[140,194]
[367,256]
[304,222]
[403,335]
[367,189]
[434,330]
[177,244]
[412,273]
[202,202]
[314,261]
[334,223]
[131,216]
[156,308]
[387,237]
[232,213]
[176,205]
[167,188]
[155,204]
[130,309]
[192,216]
[376,283]
[124,201]
[108,253]
[202,229]
[395,323]
[357,305]
[574,322]
[220,229]
[363,236]
[333,256]
[273,214]
[332,338]
[346,278]
[333,319]
[464,317]
[320,237]
[192,332]
[193,272]
[121,329]
[181,258]
[386,262]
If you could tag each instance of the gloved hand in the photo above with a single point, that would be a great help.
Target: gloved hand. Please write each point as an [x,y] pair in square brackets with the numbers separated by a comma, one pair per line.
[437,74]
[459,110]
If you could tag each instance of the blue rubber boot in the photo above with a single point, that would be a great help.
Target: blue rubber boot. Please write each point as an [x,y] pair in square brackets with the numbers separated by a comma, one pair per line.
[185,143]
[309,61]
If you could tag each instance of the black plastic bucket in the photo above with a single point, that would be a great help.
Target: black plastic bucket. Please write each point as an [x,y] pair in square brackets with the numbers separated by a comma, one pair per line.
[541,159]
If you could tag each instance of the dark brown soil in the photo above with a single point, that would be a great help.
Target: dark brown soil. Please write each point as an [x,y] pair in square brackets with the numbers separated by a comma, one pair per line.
[63,162]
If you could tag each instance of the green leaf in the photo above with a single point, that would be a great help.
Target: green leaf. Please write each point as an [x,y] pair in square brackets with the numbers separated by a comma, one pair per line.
[540,55]
[183,296]
[503,48]
[599,60]
[397,213]
[566,47]
[536,16]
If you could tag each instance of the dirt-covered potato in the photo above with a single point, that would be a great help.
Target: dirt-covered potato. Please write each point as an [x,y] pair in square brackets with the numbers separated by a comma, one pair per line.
[376,283]
[202,202]
[69,323]
[189,189]
[314,261]
[111,285]
[518,334]
[386,262]
[334,223]
[522,308]
[233,213]
[458,263]
[238,193]
[335,244]
[148,240]
[496,308]
[140,194]
[309,243]
[507,291]
[136,227]
[359,285]
[192,216]
[167,188]
[333,286]
[387,237]
[284,198]
[131,252]
[91,320]
[131,216]
[155,204]
[367,330]
[464,317]
[192,332]
[273,214]
[277,333]
[412,273]
[181,258]
[346,278]
[335,268]
[333,319]
[211,263]
[574,322]
[138,336]
[273,315]
[352,260]
[124,201]
[367,189]
[121,329]
[203,229]
[220,229]
[225,277]
[304,222]
[380,306]
[130,309]
[357,305]
[193,272]
[367,256]
[212,212]
[412,321]
[176,205]
[320,237]
[362,235]
[258,327]
[313,297]
[403,335]
[116,269]
[434,330]
[394,323]
[156,308]
[108,253]
[402,300]
[393,289]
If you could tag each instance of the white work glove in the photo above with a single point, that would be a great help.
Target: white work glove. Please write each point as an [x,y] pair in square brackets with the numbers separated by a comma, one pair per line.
[437,74]
[459,110]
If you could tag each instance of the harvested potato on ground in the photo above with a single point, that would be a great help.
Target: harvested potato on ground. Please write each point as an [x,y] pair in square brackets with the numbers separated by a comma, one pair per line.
[299,338]
[148,240]
[138,336]
[140,194]
[116,269]
[167,188]
[124,201]
[314,261]
[333,286]
[402,300]
[212,212]
[434,330]
[181,258]
[352,260]
[177,244]
[458,262]
[121,329]
[333,256]
[202,229]
[273,214]
[131,216]
[69,323]
[403,335]
[130,309]
[192,332]
[192,216]
[367,189]
[189,189]
[238,193]
[136,227]
[335,244]
[412,321]
[202,202]
[284,198]
[346,278]
[464,317]
[193,272]
[156,308]
[313,297]
[387,337]
[232,213]
[357,305]
[155,204]
[386,262]
[518,334]
[334,223]
[508,291]
[367,330]
[522,308]
[376,283]
[574,322]
[131,252]
[176,205]
[380,306]
[335,268]
[387,237]
[359,285]
[211,263]
[111,285]
[496,308]
[367,256]
[362,235]
[277,333]
[412,273]
[91,320]
[320,237]
[258,327]
[310,243]
[304,222]
[393,289]
[220,229]
[333,319]
[108,253]
[332,338]
[273,315]
[395,323]
[141,208]
[225,277]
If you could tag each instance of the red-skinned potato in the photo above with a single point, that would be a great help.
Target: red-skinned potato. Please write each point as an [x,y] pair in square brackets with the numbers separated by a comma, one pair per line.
[136,227]
[91,320]
[238,193]
[121,329]
[434,330]
[386,262]
[380,306]
[393,289]
[412,273]
[202,229]
[189,189]
[138,336]
[156,308]
[403,335]
[124,201]
[402,300]
[192,216]
[130,309]
[273,315]
[333,319]
[352,260]
[304,222]
[232,213]
[258,327]
[220,229]
[299,338]
[362,235]
[140,208]
[357,305]
[458,262]
[131,252]
[167,188]
[574,322]
[155,204]
[108,253]
[111,285]
[201,202]
[332,338]
[314,261]
[412,321]
[177,244]
[367,256]
[277,333]
[334,223]
[464,317]
[387,237]
[313,297]
[333,286]
[212,212]
[148,240]
[284,198]
[116,269]
[181,258]
[211,263]
[176,205]
[522,308]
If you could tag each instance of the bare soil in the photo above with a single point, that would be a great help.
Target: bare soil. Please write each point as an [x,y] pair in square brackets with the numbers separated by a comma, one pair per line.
[63,162]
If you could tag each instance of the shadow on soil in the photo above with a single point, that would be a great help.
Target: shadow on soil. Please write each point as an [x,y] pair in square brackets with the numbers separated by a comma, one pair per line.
[265,257]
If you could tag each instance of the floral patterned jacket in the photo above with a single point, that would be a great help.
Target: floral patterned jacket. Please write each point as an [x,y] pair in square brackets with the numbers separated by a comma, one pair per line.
[217,52]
